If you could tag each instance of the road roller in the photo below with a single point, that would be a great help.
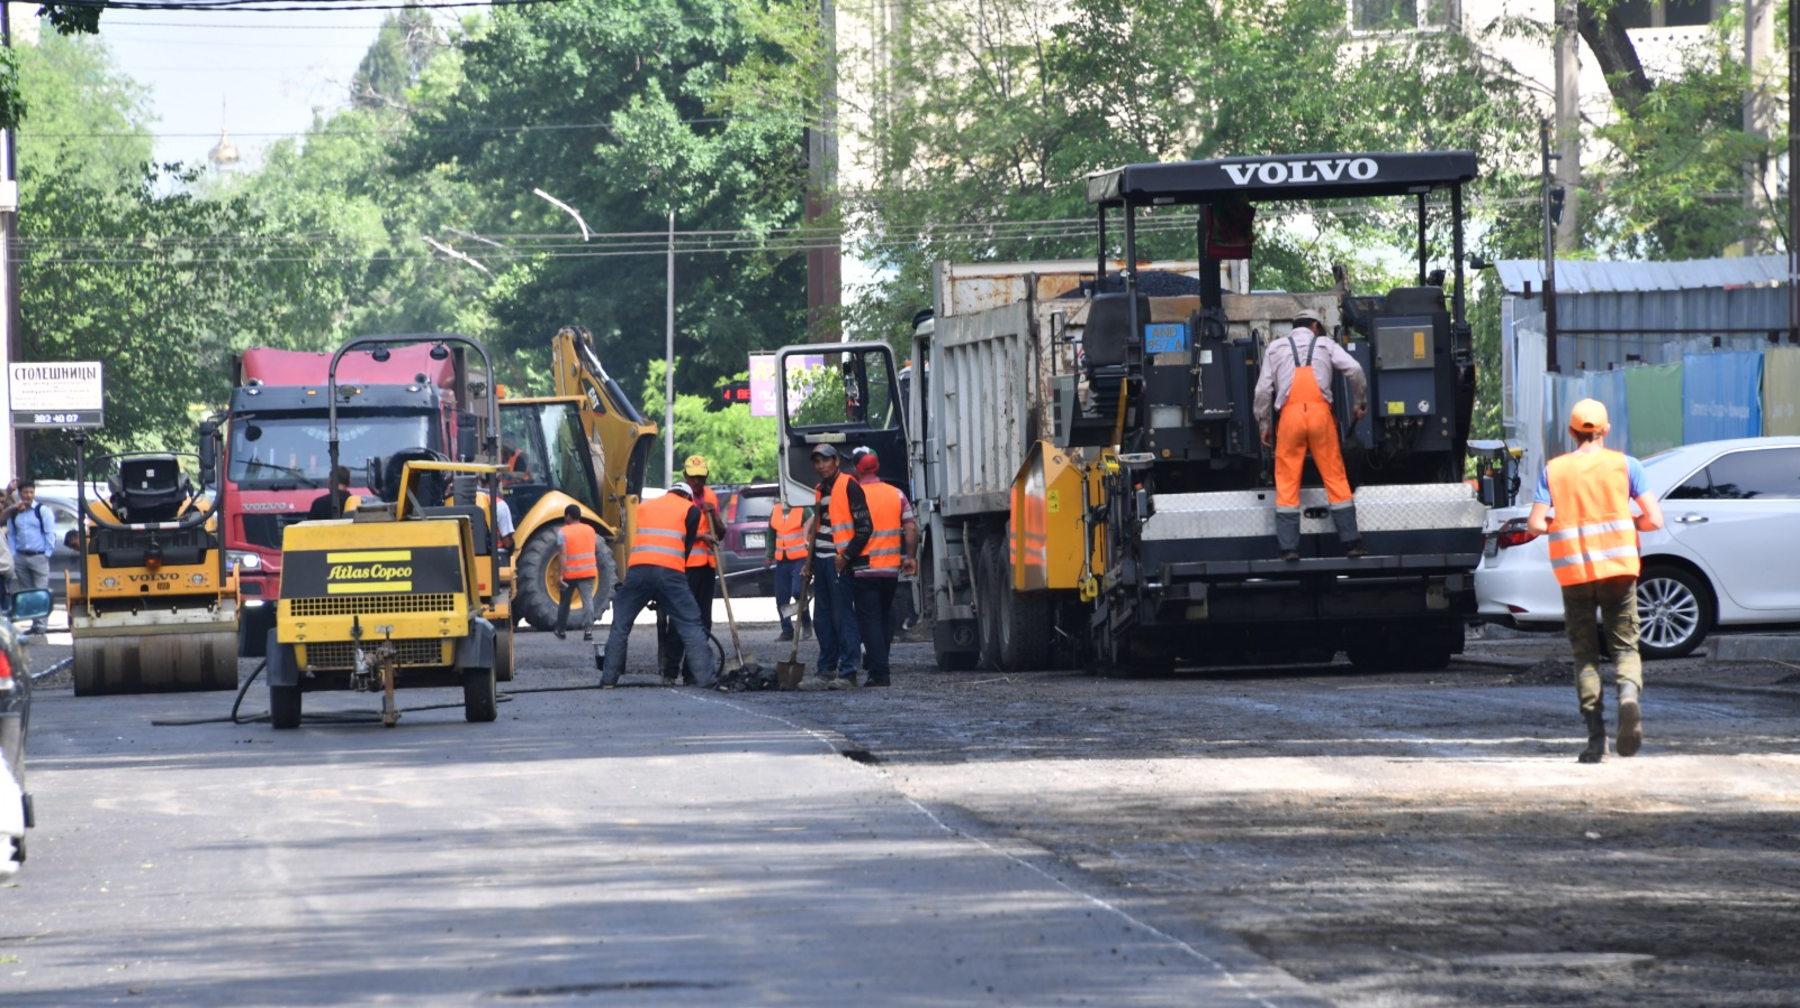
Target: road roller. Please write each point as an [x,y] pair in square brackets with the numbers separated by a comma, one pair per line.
[156,608]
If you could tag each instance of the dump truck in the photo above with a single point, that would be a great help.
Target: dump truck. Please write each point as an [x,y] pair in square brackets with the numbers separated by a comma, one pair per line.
[156,607]
[1088,472]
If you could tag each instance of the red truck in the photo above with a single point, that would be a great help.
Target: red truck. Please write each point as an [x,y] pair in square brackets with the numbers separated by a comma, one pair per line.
[277,459]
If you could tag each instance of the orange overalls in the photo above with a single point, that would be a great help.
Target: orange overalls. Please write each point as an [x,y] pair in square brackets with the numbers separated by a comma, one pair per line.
[1307,423]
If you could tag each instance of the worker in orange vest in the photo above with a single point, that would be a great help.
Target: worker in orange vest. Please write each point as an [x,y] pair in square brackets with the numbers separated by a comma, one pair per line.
[579,546]
[1594,553]
[840,530]
[667,528]
[785,552]
[1295,381]
[702,561]
[893,550]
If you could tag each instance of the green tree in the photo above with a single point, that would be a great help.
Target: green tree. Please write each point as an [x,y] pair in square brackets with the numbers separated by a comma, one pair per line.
[606,106]
[739,448]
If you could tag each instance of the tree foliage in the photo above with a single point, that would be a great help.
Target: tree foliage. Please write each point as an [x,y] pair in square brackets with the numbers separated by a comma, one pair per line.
[739,448]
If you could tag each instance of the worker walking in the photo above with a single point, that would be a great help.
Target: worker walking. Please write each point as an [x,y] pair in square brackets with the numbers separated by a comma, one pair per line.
[656,571]
[892,551]
[1295,382]
[579,546]
[1594,552]
[702,561]
[786,554]
[840,530]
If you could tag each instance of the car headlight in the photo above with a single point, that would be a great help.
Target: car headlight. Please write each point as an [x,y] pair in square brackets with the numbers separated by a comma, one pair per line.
[243,560]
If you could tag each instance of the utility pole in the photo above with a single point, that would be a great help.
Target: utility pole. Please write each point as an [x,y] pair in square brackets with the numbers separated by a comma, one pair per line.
[1759,118]
[824,264]
[12,453]
[668,431]
[1568,119]
[1793,228]
[1550,198]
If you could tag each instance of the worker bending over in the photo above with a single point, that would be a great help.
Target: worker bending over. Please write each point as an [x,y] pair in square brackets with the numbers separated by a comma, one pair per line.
[1295,382]
[667,529]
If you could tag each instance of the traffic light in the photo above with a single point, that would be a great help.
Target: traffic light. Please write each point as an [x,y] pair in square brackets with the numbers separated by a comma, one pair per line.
[735,392]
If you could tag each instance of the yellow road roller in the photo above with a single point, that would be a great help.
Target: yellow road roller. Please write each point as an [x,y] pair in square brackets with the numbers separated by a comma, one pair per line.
[156,608]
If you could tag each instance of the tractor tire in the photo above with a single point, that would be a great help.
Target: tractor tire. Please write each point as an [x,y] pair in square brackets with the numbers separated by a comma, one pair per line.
[537,586]
[481,702]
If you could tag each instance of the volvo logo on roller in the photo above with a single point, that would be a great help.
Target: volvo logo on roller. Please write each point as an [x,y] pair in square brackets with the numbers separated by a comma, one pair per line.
[1297,172]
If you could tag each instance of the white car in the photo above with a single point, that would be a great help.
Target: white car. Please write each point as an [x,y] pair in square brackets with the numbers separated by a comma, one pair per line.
[1727,554]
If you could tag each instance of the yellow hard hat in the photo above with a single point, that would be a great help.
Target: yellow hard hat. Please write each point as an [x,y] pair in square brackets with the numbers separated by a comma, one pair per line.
[695,466]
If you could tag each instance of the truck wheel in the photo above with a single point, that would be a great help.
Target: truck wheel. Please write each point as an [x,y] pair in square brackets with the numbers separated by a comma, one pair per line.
[1025,622]
[989,601]
[538,584]
[480,700]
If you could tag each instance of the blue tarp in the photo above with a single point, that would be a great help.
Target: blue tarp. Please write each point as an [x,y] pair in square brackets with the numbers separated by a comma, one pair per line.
[1561,392]
[1722,396]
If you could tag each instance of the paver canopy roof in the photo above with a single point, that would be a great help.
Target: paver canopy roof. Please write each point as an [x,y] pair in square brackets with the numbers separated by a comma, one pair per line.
[1284,177]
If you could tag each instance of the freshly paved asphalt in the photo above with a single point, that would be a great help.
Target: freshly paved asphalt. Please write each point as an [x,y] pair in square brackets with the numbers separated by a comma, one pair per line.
[641,846]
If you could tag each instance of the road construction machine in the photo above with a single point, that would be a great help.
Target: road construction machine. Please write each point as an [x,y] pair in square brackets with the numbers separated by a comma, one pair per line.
[1090,479]
[275,453]
[156,607]
[400,592]
[586,445]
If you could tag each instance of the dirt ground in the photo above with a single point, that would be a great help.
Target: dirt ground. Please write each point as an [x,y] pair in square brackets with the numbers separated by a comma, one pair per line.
[1409,839]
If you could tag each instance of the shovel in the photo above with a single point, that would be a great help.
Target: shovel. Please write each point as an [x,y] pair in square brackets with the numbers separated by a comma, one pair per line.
[741,667]
[789,673]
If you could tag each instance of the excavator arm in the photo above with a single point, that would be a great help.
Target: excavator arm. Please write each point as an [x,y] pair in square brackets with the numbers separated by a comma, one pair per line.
[618,434]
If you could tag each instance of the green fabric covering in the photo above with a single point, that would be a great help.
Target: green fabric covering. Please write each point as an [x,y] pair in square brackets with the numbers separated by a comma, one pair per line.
[1653,395]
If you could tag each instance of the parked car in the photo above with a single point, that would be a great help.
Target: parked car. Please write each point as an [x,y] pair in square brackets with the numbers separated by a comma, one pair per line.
[1725,557]
[746,512]
[15,725]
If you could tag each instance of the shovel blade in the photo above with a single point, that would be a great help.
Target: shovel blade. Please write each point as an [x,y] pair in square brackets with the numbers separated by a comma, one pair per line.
[790,673]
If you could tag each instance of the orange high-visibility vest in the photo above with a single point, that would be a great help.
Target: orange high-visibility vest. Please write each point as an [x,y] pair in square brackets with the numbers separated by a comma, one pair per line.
[579,559]
[1592,535]
[702,554]
[838,522]
[885,505]
[789,526]
[661,537]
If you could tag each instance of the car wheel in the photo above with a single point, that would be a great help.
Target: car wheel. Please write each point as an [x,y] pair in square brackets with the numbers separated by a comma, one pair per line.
[1675,612]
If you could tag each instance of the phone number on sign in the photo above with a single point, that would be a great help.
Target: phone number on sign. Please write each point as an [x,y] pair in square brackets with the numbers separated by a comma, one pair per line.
[52,418]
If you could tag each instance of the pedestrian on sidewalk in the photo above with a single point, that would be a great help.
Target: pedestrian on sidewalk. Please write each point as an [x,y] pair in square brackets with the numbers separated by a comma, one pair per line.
[840,531]
[29,537]
[667,529]
[892,551]
[1594,552]
[579,546]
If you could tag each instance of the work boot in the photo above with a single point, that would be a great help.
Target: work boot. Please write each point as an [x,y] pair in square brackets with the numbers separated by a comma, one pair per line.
[1596,747]
[787,634]
[1631,725]
[814,683]
[1344,519]
[806,628]
[1287,534]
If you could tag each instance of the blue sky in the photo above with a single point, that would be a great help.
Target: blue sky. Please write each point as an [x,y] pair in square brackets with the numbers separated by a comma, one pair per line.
[272,71]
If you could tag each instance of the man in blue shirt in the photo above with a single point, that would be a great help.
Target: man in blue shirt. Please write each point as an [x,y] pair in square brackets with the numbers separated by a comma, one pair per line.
[30,531]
